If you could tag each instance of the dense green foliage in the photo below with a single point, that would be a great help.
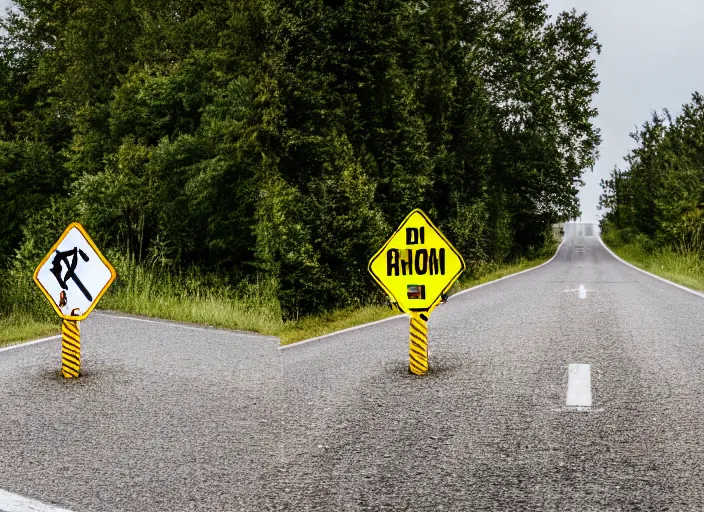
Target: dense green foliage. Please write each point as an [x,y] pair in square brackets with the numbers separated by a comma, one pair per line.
[282,141]
[658,200]
[685,267]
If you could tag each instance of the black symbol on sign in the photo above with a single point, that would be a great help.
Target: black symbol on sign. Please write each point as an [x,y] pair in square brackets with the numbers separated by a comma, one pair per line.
[415,236]
[63,256]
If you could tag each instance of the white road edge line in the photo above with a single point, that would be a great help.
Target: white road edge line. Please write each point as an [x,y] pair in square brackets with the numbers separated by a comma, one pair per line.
[694,292]
[349,329]
[582,292]
[10,502]
[26,344]
[513,275]
[396,317]
[579,386]
[189,327]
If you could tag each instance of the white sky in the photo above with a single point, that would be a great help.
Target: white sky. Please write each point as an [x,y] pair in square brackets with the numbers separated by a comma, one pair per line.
[652,55]
[651,58]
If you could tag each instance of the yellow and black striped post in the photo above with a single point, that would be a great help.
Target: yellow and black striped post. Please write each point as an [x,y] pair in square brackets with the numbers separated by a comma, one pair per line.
[70,349]
[418,348]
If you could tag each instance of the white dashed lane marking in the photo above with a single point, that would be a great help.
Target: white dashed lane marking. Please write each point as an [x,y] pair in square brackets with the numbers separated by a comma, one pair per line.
[582,292]
[579,386]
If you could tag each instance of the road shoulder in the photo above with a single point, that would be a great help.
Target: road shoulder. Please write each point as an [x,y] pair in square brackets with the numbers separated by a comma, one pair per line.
[654,276]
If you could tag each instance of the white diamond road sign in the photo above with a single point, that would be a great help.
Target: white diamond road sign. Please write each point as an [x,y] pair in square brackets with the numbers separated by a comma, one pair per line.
[74,274]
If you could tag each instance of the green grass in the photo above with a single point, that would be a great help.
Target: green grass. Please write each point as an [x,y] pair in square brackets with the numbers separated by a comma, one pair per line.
[193,298]
[212,309]
[187,299]
[685,268]
[15,328]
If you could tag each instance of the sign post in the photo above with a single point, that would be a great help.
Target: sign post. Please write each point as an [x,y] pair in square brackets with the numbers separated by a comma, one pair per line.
[70,349]
[416,267]
[73,276]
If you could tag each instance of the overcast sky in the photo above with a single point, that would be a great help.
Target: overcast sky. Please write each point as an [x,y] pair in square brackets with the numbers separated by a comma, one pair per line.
[651,58]
[652,55]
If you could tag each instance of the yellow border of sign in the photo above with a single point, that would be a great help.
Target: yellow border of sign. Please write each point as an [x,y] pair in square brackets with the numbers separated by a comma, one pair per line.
[439,233]
[113,274]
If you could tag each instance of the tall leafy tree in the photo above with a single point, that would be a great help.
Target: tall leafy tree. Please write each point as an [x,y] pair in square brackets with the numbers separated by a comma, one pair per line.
[251,137]
[660,193]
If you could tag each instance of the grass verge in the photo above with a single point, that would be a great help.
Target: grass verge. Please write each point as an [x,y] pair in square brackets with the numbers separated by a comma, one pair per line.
[192,298]
[311,327]
[17,328]
[682,268]
[212,309]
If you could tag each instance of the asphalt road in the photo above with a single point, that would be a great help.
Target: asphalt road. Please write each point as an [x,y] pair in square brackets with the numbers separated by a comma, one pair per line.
[171,418]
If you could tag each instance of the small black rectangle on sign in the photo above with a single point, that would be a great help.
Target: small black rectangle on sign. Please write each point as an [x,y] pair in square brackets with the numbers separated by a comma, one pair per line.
[416,291]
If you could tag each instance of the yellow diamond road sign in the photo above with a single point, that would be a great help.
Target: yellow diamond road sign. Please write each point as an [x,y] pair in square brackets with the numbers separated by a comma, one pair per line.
[74,274]
[417,265]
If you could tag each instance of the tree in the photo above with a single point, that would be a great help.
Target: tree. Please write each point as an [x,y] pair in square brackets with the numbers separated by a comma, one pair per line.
[251,137]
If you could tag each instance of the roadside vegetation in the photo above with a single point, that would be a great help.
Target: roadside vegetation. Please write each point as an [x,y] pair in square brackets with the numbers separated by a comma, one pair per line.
[187,298]
[193,299]
[655,206]
[21,327]
[239,161]
[682,267]
[24,312]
